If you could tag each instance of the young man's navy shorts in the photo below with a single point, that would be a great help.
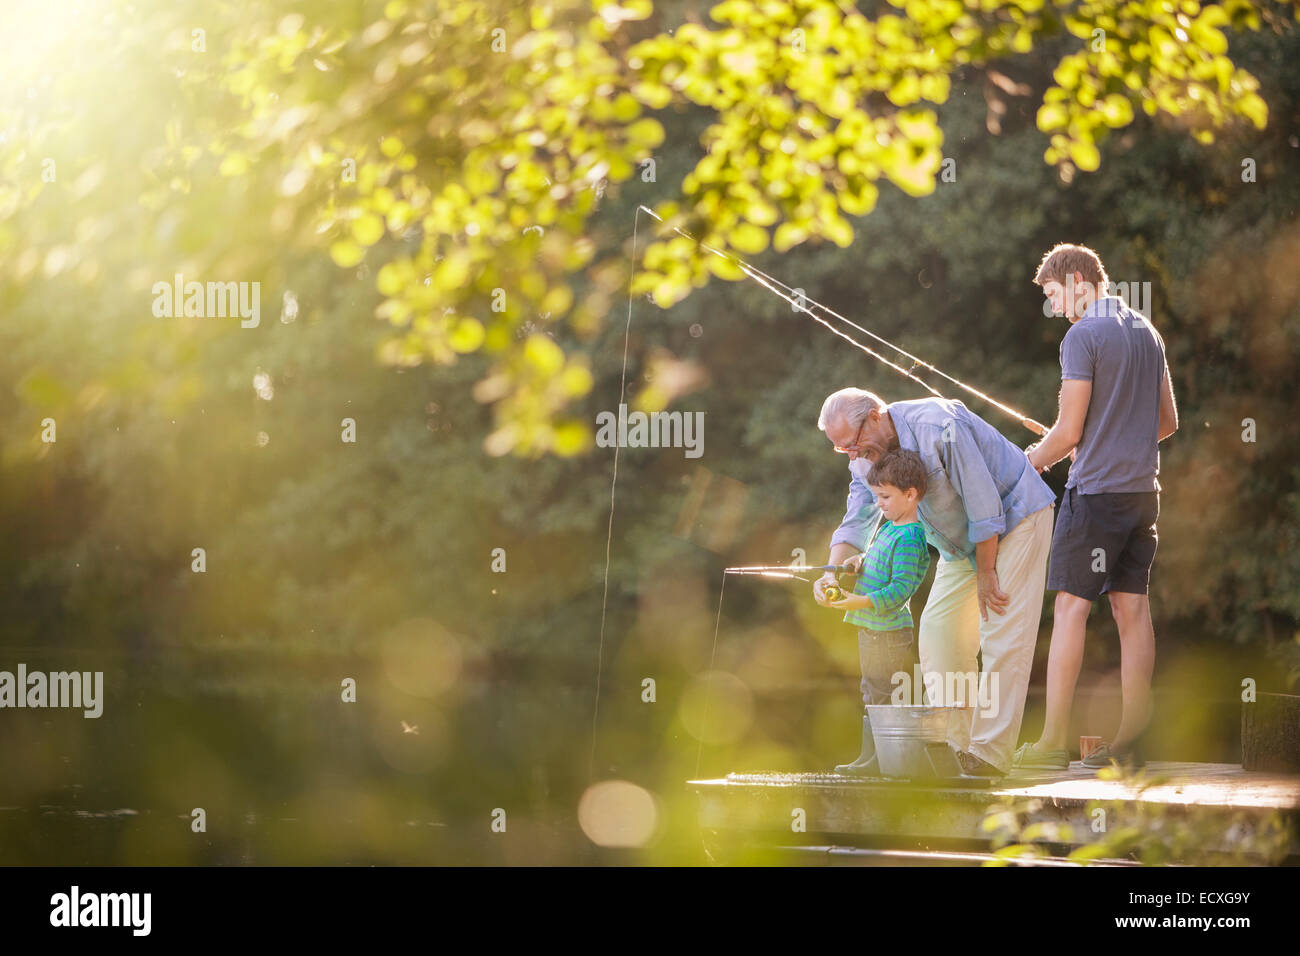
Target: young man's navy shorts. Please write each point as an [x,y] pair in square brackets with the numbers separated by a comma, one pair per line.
[1103,542]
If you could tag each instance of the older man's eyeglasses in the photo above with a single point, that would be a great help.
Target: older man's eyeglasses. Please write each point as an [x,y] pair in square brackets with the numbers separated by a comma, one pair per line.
[853,445]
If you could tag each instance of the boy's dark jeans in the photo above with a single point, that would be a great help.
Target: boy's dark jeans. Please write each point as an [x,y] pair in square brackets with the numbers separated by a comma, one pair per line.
[882,654]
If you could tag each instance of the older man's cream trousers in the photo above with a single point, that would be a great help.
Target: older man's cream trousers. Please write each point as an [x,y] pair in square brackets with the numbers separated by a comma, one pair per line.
[951,634]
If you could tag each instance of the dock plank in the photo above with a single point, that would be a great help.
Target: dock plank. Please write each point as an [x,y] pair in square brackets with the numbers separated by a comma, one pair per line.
[1220,797]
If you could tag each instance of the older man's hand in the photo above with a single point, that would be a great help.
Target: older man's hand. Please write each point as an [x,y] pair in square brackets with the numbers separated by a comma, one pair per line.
[990,594]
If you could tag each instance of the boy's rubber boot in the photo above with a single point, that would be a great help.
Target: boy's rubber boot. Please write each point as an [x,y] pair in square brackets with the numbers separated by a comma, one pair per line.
[866,765]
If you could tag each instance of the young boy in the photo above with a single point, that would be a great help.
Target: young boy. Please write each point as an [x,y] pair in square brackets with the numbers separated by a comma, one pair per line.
[890,571]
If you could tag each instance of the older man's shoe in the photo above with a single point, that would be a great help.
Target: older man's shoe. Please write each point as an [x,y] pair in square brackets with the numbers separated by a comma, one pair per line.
[973,766]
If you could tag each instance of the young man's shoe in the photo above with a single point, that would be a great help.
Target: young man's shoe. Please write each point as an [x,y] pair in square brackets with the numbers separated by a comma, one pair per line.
[1125,755]
[973,766]
[1030,758]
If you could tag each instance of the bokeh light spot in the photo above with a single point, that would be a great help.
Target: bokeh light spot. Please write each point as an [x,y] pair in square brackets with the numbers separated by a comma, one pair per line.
[421,657]
[615,813]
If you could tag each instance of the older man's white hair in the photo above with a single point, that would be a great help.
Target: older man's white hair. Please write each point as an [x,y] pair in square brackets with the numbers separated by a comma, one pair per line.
[849,404]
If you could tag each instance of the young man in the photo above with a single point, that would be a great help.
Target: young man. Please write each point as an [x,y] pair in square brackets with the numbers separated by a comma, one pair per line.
[889,572]
[989,515]
[1117,404]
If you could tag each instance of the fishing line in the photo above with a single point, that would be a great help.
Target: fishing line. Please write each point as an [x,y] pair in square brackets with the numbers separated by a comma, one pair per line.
[704,720]
[770,283]
[609,537]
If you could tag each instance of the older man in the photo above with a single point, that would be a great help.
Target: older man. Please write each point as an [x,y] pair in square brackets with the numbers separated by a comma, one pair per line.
[989,514]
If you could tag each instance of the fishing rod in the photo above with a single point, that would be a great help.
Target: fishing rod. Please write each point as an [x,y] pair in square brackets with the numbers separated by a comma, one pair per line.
[789,571]
[770,283]
[833,592]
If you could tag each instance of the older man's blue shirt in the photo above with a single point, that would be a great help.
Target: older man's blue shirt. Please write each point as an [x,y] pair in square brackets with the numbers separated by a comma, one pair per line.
[979,483]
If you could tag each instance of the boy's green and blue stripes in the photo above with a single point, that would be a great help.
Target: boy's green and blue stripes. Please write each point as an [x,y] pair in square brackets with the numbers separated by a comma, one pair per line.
[894,567]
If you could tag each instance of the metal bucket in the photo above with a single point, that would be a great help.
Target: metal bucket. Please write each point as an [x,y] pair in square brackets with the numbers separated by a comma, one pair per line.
[901,733]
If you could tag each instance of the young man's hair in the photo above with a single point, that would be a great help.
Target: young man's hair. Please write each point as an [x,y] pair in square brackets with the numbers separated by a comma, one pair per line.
[901,468]
[1064,260]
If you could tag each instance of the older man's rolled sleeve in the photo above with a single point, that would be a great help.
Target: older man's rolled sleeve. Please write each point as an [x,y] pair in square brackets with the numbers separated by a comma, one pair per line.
[860,516]
[988,528]
[970,476]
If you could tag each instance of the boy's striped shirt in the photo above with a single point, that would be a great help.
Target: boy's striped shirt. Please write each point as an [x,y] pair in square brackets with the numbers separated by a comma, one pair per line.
[894,567]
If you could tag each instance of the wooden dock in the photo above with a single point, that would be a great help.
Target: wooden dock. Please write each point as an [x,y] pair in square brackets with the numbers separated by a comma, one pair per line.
[1199,812]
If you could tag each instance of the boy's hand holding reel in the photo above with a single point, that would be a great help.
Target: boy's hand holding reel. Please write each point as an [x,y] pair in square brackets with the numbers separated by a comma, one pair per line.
[829,593]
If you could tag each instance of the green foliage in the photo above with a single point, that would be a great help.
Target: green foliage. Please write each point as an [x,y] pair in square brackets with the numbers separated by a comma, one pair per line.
[816,103]
[1012,835]
[463,167]
[456,154]
[1150,832]
[1165,58]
